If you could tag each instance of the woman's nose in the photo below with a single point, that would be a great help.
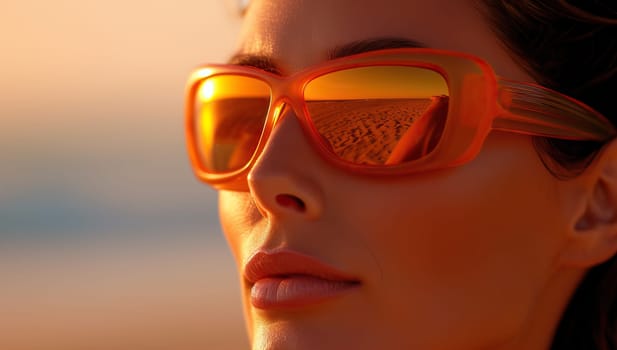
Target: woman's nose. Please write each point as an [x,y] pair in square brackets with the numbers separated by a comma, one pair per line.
[286,180]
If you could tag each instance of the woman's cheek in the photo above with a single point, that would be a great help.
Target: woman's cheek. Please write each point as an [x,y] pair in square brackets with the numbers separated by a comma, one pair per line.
[239,217]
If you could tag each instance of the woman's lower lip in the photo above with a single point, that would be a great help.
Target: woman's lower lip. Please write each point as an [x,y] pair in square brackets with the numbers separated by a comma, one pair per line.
[296,291]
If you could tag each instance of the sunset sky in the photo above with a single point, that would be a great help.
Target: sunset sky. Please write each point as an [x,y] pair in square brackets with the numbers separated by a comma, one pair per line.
[105,235]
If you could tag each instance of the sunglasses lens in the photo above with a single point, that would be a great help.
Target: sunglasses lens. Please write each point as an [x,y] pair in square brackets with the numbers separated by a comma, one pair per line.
[379,115]
[230,113]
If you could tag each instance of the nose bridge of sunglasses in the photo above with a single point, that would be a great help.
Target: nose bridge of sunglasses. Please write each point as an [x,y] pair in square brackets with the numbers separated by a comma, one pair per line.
[283,103]
[284,106]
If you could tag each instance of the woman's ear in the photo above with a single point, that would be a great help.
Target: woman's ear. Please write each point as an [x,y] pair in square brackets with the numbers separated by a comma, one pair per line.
[592,237]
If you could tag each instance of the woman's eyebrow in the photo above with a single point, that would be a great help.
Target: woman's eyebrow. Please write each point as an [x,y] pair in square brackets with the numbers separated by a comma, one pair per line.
[361,46]
[262,62]
[269,64]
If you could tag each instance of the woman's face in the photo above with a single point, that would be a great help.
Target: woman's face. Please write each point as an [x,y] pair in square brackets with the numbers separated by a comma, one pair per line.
[448,259]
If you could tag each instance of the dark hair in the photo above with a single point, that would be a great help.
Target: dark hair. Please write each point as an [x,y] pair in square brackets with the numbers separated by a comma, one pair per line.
[571,47]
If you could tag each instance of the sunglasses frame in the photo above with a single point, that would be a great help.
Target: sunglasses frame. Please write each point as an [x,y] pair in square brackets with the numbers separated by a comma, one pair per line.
[479,102]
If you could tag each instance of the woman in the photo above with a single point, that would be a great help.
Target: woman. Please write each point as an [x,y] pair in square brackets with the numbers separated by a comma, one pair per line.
[408,198]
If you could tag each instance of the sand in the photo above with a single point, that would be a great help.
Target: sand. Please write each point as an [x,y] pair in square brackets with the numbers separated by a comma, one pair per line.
[376,126]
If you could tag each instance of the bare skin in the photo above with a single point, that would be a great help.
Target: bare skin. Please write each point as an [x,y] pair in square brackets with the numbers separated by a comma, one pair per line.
[482,256]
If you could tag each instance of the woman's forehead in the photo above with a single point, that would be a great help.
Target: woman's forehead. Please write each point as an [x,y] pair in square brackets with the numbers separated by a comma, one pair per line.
[317,24]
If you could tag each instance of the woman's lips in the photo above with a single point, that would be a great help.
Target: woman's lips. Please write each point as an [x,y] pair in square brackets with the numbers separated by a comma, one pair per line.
[286,279]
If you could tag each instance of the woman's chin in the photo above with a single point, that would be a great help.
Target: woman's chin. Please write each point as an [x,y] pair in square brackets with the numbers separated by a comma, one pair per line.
[286,335]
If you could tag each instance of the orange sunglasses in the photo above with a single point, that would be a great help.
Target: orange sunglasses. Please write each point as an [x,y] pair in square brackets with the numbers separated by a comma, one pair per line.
[382,113]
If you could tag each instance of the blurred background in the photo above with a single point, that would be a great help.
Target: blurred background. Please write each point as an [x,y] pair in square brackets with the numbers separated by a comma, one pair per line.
[106,239]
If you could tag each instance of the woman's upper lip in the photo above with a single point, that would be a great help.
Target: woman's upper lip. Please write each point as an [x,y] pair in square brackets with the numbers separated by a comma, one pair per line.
[284,263]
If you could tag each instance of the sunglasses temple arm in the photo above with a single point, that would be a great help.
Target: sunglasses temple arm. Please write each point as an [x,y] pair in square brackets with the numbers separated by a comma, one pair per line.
[536,110]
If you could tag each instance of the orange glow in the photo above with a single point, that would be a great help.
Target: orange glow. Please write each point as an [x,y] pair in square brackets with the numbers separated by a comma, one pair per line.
[206,90]
[205,131]
[389,82]
[226,86]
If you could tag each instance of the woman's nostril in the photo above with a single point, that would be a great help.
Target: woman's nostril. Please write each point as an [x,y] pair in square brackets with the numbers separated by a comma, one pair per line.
[291,201]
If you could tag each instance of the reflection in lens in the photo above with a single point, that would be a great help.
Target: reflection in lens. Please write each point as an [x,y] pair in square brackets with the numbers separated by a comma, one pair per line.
[380,114]
[230,112]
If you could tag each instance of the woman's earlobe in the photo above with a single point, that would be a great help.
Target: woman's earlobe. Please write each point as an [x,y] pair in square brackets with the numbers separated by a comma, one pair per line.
[593,237]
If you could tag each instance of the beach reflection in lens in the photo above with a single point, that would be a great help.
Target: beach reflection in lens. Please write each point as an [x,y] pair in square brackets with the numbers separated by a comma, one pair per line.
[380,114]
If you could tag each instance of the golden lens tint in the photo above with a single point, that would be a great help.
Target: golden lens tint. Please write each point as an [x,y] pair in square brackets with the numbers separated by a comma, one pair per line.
[230,115]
